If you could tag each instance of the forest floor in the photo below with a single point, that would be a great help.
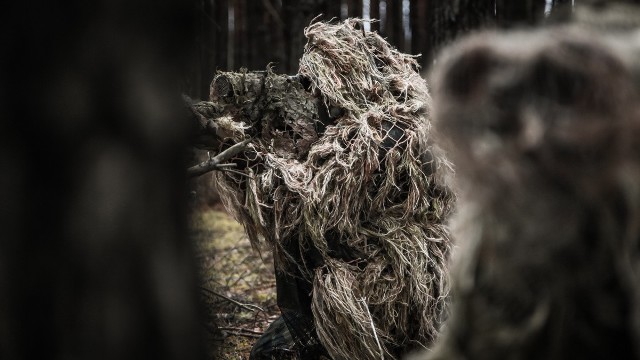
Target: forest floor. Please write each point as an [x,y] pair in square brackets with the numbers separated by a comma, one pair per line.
[238,286]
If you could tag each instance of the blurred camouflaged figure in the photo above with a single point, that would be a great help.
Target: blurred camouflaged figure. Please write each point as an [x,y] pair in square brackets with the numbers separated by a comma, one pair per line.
[544,130]
[342,180]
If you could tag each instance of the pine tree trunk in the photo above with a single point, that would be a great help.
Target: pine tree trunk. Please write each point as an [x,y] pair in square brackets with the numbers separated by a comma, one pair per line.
[332,9]
[374,14]
[511,13]
[221,26]
[95,259]
[207,47]
[447,20]
[354,8]
[393,29]
[297,14]
[419,33]
[240,38]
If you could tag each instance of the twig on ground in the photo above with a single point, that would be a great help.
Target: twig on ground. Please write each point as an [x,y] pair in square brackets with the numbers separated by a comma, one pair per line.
[240,277]
[249,307]
[241,332]
[239,329]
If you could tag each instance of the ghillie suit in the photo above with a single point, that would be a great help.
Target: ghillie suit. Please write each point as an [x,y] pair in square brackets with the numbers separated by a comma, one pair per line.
[544,131]
[343,182]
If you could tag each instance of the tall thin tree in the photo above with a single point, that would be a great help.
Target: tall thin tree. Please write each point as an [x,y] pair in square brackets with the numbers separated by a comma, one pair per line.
[354,8]
[221,30]
[511,13]
[374,14]
[446,20]
[240,35]
[393,28]
[332,9]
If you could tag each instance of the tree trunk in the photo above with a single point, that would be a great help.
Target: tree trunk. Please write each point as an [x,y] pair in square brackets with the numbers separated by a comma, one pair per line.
[354,8]
[297,14]
[95,261]
[446,21]
[207,46]
[260,54]
[374,14]
[473,15]
[419,35]
[221,26]
[561,3]
[561,9]
[240,35]
[393,29]
[511,13]
[273,46]
[332,9]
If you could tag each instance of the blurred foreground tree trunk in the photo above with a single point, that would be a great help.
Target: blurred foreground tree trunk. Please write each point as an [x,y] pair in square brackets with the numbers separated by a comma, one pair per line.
[95,261]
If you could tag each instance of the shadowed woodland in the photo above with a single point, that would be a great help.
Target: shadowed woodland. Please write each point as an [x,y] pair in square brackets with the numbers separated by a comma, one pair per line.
[232,34]
[449,21]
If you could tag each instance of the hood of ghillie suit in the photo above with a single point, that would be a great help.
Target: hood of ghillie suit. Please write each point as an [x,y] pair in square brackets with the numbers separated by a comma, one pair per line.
[364,191]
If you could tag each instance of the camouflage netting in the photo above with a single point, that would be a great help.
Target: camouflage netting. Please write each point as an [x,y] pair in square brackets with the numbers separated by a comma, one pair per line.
[362,188]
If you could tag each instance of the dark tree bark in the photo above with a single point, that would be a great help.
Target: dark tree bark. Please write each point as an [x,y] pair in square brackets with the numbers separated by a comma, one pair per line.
[440,29]
[297,14]
[447,20]
[95,261]
[518,13]
[207,46]
[332,9]
[393,29]
[560,3]
[478,14]
[354,8]
[221,29]
[273,47]
[240,35]
[419,34]
[560,10]
[259,53]
[374,14]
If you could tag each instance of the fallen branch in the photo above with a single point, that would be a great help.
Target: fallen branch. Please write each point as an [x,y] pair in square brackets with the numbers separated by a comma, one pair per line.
[217,162]
[249,307]
[241,332]
[239,329]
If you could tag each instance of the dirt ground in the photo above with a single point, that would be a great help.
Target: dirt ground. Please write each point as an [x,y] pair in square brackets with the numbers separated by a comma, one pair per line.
[238,285]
